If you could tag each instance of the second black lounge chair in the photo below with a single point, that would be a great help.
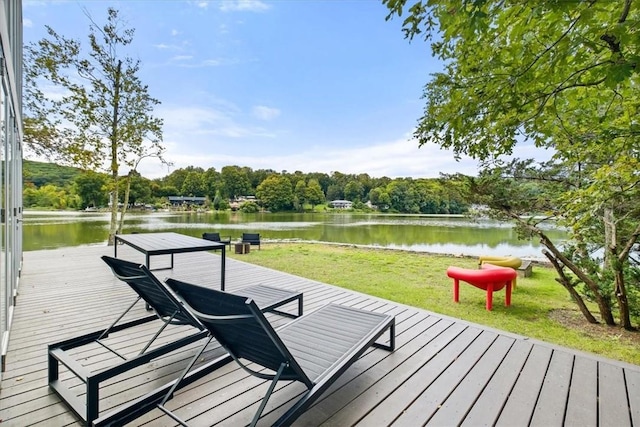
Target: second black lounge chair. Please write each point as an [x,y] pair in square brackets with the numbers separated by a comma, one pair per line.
[251,238]
[168,309]
[314,349]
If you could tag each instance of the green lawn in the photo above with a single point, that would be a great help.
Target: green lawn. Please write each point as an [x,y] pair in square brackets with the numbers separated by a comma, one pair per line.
[420,280]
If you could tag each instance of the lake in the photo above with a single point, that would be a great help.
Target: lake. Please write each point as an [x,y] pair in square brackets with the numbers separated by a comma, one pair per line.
[439,234]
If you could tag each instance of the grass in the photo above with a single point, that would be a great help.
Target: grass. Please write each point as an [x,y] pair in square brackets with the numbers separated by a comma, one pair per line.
[540,307]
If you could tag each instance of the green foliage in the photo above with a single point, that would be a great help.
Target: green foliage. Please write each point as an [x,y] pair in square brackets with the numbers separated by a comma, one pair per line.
[249,207]
[300,194]
[314,194]
[91,188]
[235,182]
[194,185]
[275,193]
[334,192]
[526,70]
[41,173]
[50,197]
[139,189]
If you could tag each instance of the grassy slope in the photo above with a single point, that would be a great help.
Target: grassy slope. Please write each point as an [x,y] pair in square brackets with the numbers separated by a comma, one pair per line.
[419,280]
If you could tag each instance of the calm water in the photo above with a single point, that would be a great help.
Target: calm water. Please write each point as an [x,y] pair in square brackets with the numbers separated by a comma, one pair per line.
[440,234]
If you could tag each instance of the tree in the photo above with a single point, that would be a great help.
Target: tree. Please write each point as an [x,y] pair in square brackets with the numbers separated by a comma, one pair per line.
[334,192]
[375,196]
[275,193]
[212,182]
[194,185]
[217,201]
[105,113]
[138,189]
[89,186]
[314,194]
[235,181]
[300,194]
[561,76]
[353,191]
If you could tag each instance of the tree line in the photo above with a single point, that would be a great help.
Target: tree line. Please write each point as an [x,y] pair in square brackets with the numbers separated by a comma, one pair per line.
[54,186]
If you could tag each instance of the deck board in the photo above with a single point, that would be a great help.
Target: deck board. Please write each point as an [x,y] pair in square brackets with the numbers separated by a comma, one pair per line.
[443,371]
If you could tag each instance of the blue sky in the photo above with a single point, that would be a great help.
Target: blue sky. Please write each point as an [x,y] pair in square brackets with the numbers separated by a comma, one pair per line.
[315,86]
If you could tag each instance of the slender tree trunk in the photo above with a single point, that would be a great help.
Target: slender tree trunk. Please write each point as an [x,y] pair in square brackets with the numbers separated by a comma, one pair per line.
[622,258]
[114,211]
[615,263]
[623,302]
[113,229]
[127,191]
[566,283]
[605,310]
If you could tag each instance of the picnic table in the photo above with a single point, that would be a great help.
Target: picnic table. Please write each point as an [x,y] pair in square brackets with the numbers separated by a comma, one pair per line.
[151,244]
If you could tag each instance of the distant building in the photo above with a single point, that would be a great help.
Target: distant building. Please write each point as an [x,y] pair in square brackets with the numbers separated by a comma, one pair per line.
[341,204]
[186,200]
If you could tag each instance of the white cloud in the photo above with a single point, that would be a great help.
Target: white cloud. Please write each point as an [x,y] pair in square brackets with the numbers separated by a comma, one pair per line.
[182,58]
[398,158]
[181,61]
[265,113]
[27,23]
[199,127]
[163,46]
[243,6]
[174,33]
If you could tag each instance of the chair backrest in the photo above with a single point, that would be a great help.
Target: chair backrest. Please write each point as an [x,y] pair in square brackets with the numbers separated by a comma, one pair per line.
[250,237]
[152,291]
[238,324]
[214,237]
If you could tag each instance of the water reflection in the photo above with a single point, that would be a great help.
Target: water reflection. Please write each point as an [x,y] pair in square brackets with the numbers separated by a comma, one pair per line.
[440,234]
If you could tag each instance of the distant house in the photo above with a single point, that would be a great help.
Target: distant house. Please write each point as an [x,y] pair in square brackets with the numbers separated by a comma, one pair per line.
[186,200]
[341,204]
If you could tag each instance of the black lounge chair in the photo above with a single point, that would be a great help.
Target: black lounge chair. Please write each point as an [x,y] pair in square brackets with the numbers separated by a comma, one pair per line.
[215,237]
[167,308]
[251,238]
[314,349]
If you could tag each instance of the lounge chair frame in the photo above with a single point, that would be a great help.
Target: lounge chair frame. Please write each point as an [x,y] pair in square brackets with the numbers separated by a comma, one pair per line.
[241,328]
[169,310]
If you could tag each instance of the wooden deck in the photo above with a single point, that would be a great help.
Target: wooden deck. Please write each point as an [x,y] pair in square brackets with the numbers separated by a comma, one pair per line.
[443,372]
